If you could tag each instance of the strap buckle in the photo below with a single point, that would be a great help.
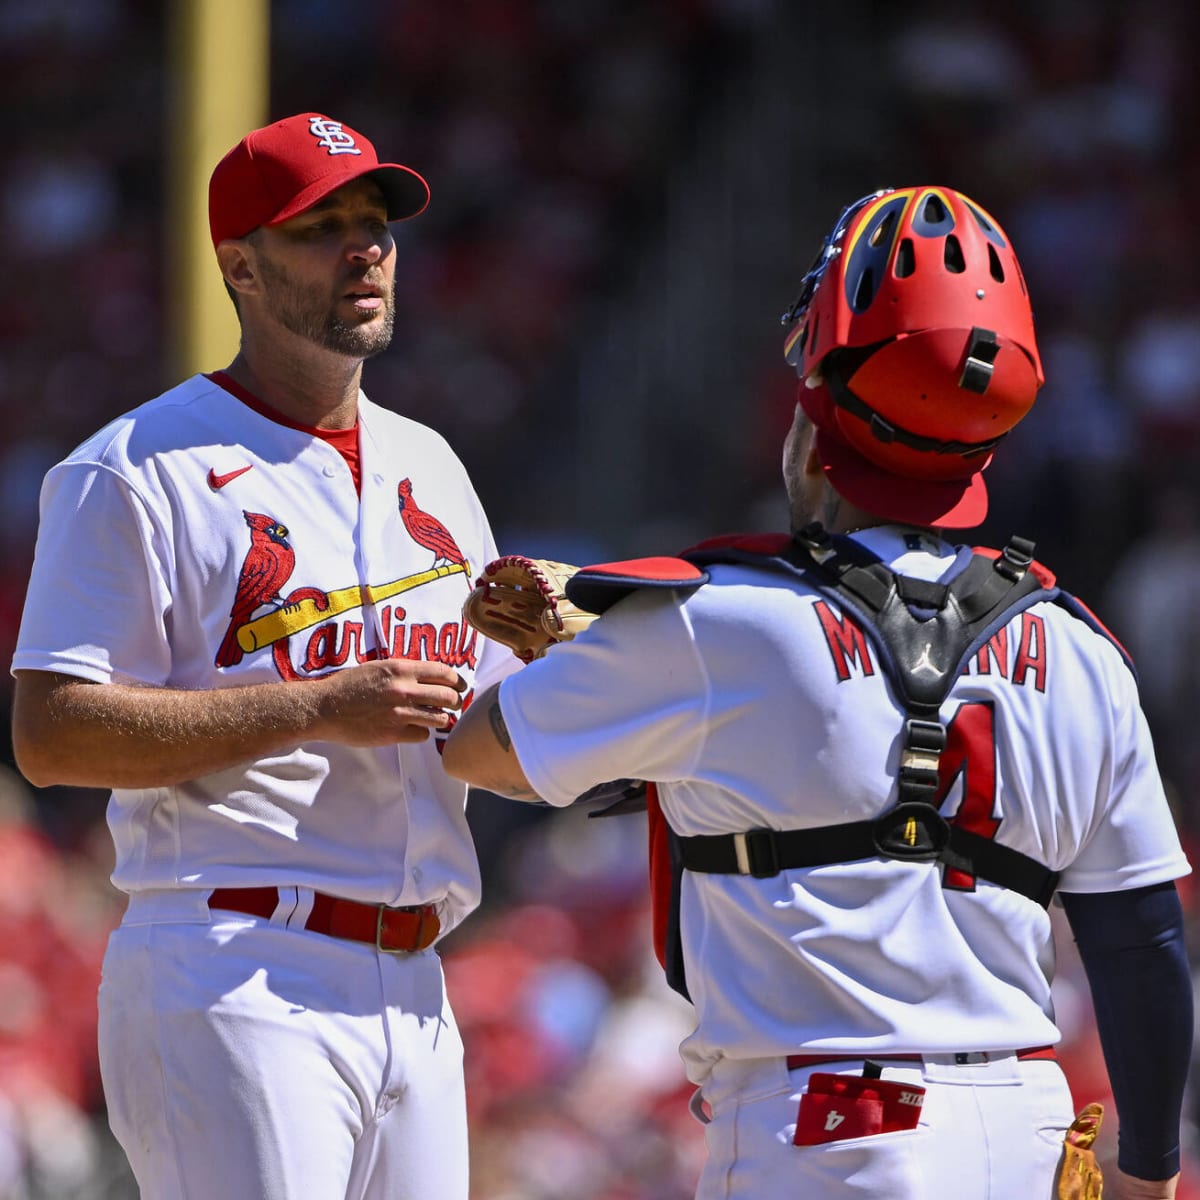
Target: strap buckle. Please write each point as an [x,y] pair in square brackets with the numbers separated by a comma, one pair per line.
[756,853]
[924,742]
[980,361]
[1015,559]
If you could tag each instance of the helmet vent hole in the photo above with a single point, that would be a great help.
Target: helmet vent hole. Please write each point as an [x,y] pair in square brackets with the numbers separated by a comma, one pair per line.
[952,256]
[934,211]
[812,333]
[883,231]
[995,265]
[905,259]
[865,290]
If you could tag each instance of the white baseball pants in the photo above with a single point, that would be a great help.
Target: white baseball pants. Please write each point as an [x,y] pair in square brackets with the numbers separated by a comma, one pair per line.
[244,1059]
[985,1130]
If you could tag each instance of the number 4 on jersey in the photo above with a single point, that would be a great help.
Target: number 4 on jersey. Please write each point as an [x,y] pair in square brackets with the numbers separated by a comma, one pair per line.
[970,752]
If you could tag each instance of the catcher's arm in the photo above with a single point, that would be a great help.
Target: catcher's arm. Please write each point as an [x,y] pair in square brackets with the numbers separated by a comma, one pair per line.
[479,751]
[521,602]
[1133,949]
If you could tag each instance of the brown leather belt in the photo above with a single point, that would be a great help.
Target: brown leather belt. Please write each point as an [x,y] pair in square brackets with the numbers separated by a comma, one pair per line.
[963,1058]
[392,930]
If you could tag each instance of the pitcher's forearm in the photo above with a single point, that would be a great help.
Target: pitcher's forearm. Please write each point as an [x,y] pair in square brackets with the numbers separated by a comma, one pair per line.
[67,731]
[111,735]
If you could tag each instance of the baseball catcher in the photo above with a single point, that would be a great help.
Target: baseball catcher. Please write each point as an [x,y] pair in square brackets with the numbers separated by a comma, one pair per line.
[876,756]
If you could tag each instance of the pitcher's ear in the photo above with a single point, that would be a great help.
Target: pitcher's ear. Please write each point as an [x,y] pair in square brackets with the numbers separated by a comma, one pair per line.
[235,257]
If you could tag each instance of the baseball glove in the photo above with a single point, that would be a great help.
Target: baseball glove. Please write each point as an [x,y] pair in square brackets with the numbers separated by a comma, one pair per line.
[1078,1172]
[521,603]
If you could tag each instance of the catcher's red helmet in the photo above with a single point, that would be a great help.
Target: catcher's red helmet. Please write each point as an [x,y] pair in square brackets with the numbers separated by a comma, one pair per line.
[913,335]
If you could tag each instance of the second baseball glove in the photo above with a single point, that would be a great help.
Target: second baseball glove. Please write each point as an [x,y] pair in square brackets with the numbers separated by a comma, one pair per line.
[521,602]
[1078,1172]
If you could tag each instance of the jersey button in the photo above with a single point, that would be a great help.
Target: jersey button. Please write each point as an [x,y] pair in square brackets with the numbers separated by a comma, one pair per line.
[329,471]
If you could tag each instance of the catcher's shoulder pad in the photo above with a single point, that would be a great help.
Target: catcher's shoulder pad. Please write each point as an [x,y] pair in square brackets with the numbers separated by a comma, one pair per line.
[1076,607]
[597,588]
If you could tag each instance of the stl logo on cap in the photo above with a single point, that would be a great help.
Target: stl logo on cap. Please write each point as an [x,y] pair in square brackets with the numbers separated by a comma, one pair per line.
[332,136]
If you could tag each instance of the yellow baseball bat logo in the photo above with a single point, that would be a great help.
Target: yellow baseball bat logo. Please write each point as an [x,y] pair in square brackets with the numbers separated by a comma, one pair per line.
[295,618]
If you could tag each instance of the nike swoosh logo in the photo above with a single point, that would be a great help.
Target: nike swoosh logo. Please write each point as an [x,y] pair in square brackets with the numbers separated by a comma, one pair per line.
[216,482]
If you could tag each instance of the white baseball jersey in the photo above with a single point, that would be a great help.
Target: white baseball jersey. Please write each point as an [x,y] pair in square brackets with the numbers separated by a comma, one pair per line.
[197,543]
[753,704]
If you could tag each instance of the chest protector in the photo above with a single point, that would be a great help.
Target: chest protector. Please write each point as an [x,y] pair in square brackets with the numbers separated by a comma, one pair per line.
[924,633]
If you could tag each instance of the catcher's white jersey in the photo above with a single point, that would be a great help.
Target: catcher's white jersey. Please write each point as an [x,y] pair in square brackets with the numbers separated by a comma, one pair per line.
[196,543]
[754,705]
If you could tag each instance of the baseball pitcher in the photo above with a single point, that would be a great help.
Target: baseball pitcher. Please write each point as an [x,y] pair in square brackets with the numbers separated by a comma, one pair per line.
[245,619]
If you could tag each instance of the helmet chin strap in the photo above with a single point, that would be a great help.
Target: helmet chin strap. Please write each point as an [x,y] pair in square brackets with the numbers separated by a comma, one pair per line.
[887,431]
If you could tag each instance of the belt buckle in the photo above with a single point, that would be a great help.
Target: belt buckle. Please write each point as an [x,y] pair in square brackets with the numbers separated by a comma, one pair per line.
[422,913]
[380,909]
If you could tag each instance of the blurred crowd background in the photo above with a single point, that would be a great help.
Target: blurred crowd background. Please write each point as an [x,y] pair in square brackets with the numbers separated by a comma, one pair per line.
[625,196]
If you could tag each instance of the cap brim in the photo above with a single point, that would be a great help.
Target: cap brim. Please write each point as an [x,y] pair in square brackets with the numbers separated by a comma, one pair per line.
[405,192]
[946,503]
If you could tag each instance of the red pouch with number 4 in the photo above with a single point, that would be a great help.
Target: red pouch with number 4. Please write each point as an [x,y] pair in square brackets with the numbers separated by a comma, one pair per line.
[837,1107]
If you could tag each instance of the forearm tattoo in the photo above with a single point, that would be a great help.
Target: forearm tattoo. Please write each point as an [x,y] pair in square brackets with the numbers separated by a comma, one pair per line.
[496,717]
[505,787]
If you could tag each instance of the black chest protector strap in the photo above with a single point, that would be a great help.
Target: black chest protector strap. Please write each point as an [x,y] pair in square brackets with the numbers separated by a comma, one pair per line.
[924,633]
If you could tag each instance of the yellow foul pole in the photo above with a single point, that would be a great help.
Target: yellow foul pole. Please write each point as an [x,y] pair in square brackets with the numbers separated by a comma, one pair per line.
[220,72]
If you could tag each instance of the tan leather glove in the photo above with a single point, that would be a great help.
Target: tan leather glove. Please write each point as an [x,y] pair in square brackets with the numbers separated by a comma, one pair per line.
[521,602]
[1078,1172]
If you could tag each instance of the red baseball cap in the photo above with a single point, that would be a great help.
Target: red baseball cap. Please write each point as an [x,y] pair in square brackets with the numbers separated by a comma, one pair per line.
[954,503]
[277,172]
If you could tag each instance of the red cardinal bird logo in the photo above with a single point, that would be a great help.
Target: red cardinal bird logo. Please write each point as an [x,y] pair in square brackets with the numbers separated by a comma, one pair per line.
[267,567]
[427,531]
